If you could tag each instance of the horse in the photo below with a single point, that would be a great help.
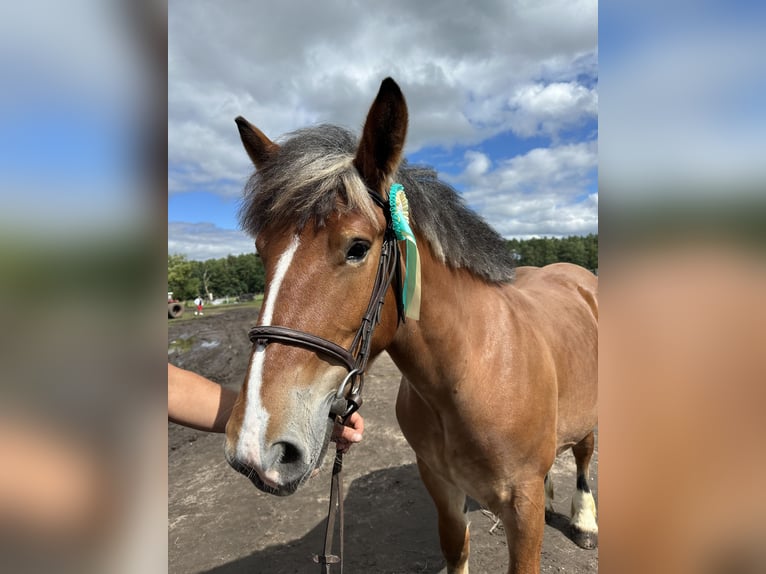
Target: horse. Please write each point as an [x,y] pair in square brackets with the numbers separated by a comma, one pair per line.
[499,371]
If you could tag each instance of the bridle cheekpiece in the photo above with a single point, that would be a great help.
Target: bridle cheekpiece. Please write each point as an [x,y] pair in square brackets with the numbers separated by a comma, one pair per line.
[356,357]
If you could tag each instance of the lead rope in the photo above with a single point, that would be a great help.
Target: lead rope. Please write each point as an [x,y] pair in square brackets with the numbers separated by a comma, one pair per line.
[336,508]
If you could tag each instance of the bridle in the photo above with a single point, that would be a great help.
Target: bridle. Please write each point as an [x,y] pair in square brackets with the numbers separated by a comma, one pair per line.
[355,359]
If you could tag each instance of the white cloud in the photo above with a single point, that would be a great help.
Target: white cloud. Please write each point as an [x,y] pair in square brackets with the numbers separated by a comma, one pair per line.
[534,194]
[548,109]
[468,72]
[478,164]
[201,241]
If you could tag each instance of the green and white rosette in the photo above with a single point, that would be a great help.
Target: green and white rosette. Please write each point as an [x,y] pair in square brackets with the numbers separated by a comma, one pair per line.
[400,219]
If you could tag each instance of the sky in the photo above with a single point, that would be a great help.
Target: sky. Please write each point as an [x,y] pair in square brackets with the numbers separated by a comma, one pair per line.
[507,101]
[502,98]
[682,112]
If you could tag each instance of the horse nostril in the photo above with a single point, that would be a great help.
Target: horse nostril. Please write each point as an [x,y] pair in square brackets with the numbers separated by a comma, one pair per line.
[290,453]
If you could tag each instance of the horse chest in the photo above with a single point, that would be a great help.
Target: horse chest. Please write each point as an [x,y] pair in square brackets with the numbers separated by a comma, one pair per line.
[450,443]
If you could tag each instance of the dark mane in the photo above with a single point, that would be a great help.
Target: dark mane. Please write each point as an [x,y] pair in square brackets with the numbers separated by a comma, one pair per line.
[313,175]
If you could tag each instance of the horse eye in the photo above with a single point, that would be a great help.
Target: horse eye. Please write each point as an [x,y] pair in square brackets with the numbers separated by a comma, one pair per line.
[358,251]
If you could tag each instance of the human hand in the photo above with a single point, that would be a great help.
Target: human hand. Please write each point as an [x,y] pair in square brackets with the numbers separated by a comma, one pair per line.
[349,433]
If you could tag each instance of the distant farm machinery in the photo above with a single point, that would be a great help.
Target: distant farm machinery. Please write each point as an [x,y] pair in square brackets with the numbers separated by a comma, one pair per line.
[175,307]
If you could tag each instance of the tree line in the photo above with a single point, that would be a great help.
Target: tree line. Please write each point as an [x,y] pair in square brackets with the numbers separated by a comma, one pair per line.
[239,275]
[580,250]
[231,276]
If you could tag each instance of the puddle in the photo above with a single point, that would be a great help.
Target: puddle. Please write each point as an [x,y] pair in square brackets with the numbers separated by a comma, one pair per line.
[184,345]
[180,345]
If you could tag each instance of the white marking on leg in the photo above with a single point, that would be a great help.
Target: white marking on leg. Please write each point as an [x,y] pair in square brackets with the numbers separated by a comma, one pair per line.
[256,417]
[584,511]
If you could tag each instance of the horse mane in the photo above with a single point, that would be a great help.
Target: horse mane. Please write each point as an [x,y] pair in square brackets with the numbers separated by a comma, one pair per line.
[313,176]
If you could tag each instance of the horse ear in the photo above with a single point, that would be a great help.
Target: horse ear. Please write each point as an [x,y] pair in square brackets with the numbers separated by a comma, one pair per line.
[257,145]
[380,149]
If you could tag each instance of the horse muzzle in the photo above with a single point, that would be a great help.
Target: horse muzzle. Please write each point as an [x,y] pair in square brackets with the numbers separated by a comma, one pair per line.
[281,478]
[281,467]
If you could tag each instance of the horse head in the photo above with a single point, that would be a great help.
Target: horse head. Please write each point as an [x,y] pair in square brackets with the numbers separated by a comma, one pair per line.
[320,233]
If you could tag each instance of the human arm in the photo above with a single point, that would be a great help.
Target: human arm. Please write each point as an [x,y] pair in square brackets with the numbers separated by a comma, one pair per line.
[197,402]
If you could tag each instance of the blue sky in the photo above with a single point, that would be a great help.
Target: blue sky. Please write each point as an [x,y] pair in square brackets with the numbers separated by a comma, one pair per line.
[69,119]
[503,102]
[511,102]
[500,99]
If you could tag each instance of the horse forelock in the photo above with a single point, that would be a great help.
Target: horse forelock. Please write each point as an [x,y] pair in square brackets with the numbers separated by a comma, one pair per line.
[313,176]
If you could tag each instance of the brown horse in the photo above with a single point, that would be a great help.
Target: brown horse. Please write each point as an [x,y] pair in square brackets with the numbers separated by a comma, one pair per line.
[500,370]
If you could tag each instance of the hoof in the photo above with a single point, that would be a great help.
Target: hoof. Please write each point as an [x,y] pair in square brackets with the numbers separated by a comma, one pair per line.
[587,540]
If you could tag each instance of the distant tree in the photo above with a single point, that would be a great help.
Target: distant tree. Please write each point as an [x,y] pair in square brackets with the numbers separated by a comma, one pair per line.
[550,250]
[201,272]
[250,272]
[181,279]
[236,274]
[539,251]
[514,246]
[223,280]
[531,253]
[591,251]
[572,250]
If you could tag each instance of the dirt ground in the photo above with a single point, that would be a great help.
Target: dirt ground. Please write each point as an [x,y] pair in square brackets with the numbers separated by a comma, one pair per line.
[218,522]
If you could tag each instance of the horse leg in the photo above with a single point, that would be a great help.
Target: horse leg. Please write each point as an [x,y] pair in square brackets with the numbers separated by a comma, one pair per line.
[524,522]
[454,536]
[548,498]
[583,523]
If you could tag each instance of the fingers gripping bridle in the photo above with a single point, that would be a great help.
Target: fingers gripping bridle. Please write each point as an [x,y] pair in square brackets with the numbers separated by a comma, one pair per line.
[354,358]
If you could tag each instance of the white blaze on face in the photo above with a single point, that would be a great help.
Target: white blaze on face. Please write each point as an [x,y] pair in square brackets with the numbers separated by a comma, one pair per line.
[256,418]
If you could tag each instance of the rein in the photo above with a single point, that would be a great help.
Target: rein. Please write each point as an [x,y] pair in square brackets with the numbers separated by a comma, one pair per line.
[355,359]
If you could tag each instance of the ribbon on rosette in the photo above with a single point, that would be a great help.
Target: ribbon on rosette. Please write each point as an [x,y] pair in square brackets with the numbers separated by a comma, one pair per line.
[400,219]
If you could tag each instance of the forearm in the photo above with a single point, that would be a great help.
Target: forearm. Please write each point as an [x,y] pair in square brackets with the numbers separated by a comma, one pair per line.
[197,402]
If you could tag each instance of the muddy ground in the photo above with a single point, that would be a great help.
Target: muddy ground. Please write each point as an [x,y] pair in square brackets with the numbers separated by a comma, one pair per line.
[219,523]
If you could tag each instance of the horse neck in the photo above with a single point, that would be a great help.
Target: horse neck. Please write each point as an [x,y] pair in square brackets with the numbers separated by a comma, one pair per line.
[455,309]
